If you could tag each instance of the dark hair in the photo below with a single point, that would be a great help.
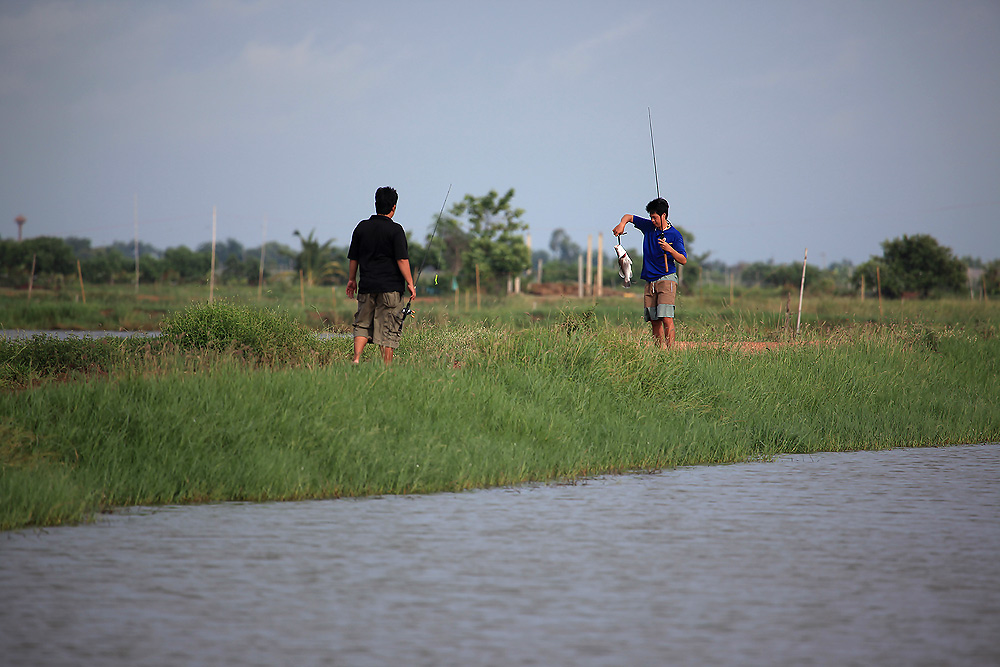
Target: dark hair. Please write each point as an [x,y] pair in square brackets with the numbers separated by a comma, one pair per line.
[658,205]
[385,199]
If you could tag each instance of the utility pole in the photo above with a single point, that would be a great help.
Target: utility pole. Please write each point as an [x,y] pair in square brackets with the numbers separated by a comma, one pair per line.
[135,224]
[211,276]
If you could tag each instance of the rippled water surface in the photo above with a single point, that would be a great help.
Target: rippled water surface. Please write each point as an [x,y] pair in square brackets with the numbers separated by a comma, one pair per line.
[863,558]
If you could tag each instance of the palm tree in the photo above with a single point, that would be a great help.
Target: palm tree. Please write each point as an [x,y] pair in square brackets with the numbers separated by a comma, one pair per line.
[313,258]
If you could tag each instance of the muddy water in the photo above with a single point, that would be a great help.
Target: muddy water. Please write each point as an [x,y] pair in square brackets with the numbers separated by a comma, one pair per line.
[862,558]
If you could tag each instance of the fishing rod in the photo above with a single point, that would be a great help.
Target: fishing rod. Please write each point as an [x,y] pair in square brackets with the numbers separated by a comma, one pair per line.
[406,309]
[653,148]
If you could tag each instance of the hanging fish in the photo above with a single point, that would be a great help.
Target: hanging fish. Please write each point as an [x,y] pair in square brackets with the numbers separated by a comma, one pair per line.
[624,264]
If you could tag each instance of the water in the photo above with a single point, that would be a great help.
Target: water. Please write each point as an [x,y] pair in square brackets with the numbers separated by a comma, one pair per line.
[863,558]
[64,334]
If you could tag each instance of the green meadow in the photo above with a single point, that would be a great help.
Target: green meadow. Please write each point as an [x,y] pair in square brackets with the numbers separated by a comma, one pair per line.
[241,400]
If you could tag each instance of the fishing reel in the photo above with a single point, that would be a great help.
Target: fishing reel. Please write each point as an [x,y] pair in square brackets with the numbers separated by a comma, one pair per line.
[407,311]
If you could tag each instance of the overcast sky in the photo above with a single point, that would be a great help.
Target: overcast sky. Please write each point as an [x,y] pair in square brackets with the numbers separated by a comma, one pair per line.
[832,125]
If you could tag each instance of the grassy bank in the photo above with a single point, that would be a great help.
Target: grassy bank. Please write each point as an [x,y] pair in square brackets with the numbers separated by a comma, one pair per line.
[467,405]
[711,312]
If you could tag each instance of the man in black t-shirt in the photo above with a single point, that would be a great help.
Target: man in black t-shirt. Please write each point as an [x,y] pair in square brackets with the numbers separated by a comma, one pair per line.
[379,248]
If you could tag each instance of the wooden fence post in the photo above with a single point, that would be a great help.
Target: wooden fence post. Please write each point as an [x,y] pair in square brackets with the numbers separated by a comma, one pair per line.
[79,272]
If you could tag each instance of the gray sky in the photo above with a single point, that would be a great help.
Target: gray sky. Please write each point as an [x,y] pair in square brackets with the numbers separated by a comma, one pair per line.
[832,125]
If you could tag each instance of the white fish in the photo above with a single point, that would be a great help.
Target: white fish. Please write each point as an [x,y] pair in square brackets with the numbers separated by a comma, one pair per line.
[624,265]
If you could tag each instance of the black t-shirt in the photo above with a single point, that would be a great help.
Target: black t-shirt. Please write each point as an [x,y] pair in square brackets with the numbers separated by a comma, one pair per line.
[377,244]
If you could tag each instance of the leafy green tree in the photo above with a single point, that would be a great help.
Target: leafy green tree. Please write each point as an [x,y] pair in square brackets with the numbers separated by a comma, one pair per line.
[914,264]
[151,268]
[787,276]
[495,243]
[107,265]
[52,256]
[181,264]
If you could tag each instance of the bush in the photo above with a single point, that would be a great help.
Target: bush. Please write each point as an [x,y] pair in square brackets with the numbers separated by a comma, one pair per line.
[261,332]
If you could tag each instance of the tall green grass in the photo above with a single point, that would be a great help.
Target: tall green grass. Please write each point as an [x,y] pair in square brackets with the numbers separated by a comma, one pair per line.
[468,405]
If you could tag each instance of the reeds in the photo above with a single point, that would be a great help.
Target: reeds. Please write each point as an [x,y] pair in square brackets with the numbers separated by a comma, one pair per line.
[465,405]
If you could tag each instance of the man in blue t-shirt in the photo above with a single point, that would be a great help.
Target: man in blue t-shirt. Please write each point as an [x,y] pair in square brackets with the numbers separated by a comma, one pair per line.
[379,249]
[662,250]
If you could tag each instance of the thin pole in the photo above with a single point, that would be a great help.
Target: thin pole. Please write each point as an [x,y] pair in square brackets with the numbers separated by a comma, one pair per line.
[590,264]
[31,278]
[260,273]
[653,148]
[579,275]
[135,222]
[479,303]
[79,272]
[211,275]
[600,266]
[878,282]
[802,287]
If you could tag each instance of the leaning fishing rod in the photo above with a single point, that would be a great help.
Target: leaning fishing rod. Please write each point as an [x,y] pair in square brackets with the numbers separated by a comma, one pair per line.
[652,147]
[406,309]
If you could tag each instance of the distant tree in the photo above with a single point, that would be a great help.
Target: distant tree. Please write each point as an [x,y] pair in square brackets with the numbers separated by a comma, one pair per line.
[151,269]
[52,255]
[314,260]
[181,264]
[446,250]
[234,270]
[277,257]
[562,246]
[495,243]
[915,264]
[223,251]
[107,265]
[787,277]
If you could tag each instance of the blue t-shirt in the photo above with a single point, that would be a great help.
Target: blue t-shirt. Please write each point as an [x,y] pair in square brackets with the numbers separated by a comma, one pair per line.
[657,262]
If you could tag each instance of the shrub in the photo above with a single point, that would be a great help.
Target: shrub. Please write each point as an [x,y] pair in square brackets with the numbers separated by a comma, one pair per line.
[266,334]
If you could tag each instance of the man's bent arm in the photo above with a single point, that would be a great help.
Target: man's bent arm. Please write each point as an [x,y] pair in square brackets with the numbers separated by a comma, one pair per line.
[678,256]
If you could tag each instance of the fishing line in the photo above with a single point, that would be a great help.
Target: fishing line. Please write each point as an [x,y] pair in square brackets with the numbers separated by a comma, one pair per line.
[653,148]
[406,309]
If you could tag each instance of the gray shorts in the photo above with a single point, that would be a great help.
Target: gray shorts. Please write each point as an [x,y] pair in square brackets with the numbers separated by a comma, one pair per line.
[380,318]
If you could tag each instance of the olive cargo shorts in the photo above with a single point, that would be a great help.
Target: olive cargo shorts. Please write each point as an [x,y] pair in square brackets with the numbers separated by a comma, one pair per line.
[380,318]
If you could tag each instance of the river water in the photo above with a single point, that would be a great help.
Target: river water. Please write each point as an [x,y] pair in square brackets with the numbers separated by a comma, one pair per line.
[887,558]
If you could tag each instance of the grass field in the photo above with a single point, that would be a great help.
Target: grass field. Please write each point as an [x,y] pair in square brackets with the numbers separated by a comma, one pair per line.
[522,389]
